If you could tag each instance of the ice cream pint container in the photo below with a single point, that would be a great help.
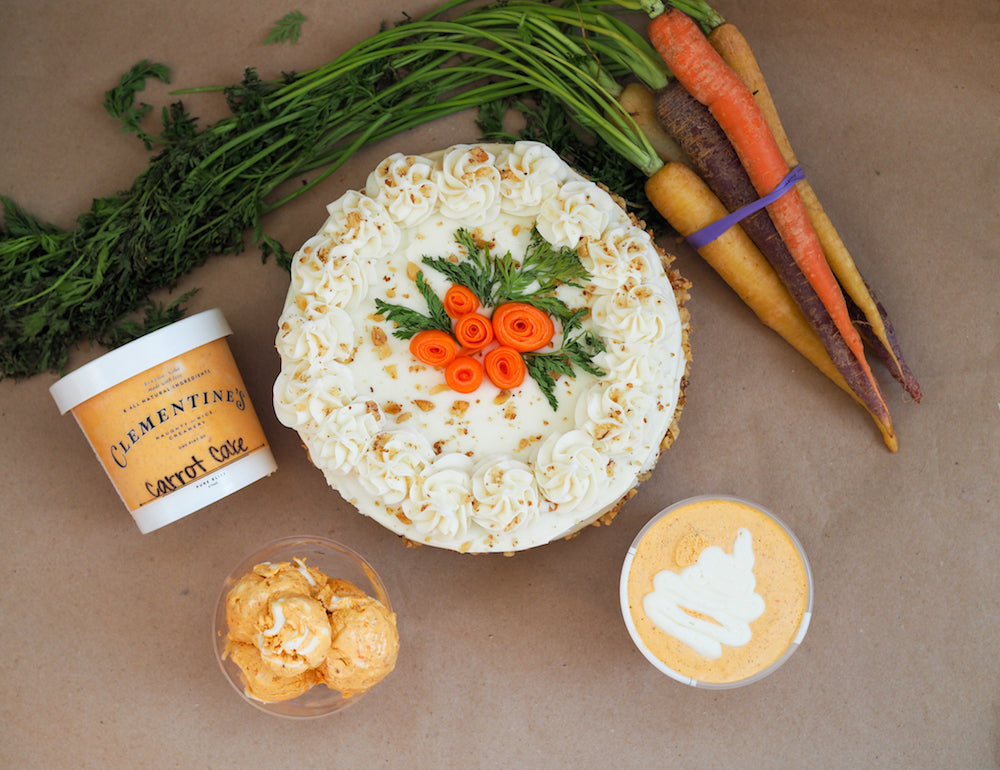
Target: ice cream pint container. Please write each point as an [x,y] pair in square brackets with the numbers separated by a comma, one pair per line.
[716,592]
[170,420]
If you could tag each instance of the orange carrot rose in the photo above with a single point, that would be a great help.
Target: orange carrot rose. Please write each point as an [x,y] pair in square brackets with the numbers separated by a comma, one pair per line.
[473,331]
[505,367]
[433,347]
[464,374]
[522,326]
[459,300]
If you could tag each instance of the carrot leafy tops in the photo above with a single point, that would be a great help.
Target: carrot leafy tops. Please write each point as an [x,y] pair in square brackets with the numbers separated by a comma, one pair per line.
[522,296]
[498,279]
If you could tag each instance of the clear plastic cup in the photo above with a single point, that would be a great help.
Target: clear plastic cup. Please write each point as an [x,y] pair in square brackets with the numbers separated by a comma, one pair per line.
[706,611]
[336,561]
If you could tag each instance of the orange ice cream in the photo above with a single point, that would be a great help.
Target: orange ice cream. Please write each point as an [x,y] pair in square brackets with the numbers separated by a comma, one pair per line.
[291,627]
[716,591]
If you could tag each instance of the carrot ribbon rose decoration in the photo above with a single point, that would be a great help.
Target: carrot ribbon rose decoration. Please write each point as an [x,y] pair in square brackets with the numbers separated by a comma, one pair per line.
[505,367]
[460,300]
[522,327]
[464,374]
[473,331]
[433,347]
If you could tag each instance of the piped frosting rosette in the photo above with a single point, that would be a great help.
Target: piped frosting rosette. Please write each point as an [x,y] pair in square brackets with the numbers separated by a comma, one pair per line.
[493,470]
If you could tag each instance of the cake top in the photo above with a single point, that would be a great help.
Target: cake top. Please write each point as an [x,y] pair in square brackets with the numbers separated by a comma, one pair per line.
[482,460]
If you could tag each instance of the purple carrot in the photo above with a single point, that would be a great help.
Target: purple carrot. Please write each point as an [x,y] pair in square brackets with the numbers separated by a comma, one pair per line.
[892,359]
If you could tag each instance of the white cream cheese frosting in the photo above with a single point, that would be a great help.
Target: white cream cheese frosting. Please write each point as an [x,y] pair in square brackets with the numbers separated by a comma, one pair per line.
[491,470]
[710,603]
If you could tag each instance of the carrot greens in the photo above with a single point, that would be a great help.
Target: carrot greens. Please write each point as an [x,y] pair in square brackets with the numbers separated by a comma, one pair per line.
[286,29]
[207,190]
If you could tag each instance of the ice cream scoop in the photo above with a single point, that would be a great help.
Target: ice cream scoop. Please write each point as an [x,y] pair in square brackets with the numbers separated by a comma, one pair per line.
[364,645]
[263,682]
[294,634]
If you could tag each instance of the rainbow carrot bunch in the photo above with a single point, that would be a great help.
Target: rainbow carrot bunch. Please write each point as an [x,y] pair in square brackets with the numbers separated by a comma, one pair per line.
[742,202]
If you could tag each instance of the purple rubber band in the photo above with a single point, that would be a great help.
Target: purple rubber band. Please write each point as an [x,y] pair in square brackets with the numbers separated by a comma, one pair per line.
[709,233]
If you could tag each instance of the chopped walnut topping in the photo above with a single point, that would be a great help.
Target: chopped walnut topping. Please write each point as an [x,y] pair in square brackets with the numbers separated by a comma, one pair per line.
[412,268]
[527,441]
[459,407]
[391,407]
[440,388]
[390,370]
[378,336]
[510,413]
[403,417]
[423,404]
[502,397]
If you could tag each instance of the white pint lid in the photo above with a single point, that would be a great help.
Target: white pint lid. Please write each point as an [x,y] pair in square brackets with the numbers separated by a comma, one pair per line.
[137,356]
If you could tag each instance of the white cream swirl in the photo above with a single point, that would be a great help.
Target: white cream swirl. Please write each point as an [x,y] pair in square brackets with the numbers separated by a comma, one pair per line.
[505,494]
[391,464]
[340,441]
[530,176]
[361,225]
[306,396]
[315,331]
[635,313]
[469,185]
[570,471]
[404,185]
[579,210]
[710,603]
[332,273]
[612,412]
[619,254]
[440,499]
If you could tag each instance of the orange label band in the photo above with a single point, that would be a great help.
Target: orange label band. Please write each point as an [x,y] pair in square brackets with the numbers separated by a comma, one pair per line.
[172,425]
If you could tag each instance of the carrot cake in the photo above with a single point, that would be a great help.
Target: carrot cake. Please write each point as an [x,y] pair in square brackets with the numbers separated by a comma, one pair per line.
[482,349]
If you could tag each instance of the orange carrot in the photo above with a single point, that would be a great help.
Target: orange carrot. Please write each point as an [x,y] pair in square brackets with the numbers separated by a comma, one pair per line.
[702,71]
[459,300]
[464,374]
[473,331]
[522,326]
[505,367]
[433,347]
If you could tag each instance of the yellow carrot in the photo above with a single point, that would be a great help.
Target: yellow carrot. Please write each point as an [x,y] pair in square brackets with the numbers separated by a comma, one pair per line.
[687,203]
[638,99]
[734,49]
